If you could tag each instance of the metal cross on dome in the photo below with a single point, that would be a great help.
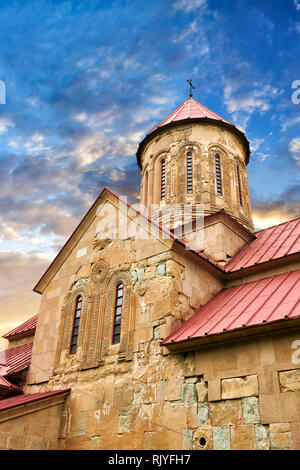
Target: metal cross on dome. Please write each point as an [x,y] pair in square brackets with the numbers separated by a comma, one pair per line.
[191,87]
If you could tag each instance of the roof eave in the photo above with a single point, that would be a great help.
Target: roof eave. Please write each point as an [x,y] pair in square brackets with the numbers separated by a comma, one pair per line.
[23,334]
[204,120]
[283,324]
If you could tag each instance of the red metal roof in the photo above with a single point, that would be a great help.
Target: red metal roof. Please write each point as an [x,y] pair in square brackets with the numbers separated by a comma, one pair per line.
[190,109]
[269,244]
[259,302]
[15,359]
[6,385]
[27,327]
[20,400]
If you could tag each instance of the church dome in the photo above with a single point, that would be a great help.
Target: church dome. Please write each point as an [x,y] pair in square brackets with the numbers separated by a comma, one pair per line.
[197,158]
[193,111]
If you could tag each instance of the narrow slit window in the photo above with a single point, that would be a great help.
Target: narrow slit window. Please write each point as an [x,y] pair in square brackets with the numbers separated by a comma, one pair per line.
[239,185]
[163,180]
[218,175]
[74,337]
[189,172]
[118,314]
[146,188]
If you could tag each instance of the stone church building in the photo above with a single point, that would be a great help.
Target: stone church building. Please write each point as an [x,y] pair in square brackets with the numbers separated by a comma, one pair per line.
[174,326]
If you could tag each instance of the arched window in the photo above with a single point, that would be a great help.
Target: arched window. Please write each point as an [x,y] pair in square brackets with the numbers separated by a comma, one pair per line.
[74,337]
[189,172]
[118,313]
[239,185]
[162,179]
[218,175]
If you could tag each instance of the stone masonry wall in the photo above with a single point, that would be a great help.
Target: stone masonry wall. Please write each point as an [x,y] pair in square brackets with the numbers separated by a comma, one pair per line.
[138,395]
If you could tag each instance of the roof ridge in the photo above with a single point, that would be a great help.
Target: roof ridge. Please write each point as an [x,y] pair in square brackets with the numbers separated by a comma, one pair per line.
[19,331]
[211,112]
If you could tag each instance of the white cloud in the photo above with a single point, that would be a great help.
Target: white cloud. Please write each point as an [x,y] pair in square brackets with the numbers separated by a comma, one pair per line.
[92,147]
[136,137]
[34,145]
[190,29]
[189,5]
[115,175]
[297,4]
[290,122]
[4,124]
[80,117]
[255,144]
[261,156]
[259,98]
[294,148]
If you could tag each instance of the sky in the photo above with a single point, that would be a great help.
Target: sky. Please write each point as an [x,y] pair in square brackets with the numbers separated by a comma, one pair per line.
[86,80]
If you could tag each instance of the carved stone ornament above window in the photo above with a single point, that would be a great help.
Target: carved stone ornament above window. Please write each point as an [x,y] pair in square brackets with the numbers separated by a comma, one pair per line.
[99,272]
[101,243]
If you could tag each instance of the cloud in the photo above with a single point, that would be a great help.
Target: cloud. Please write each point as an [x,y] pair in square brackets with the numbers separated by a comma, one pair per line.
[289,122]
[15,276]
[273,212]
[242,100]
[297,4]
[294,148]
[189,5]
[4,124]
[256,143]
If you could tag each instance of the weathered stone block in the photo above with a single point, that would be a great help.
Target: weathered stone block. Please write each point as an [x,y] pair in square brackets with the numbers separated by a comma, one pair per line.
[150,440]
[281,436]
[173,390]
[203,412]
[225,412]
[242,437]
[203,438]
[189,393]
[187,439]
[290,380]
[156,332]
[262,440]
[221,438]
[173,268]
[124,420]
[202,391]
[161,391]
[161,269]
[81,424]
[189,364]
[214,390]
[251,410]
[240,387]
[149,393]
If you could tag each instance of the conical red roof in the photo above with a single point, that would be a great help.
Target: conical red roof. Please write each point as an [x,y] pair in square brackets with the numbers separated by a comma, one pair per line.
[190,109]
[193,110]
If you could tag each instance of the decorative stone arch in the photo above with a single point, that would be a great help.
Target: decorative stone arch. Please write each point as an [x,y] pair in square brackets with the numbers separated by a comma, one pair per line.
[181,172]
[213,150]
[63,356]
[96,318]
[124,348]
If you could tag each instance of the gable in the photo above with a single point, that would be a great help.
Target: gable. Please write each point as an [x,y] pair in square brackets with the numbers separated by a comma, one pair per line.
[109,218]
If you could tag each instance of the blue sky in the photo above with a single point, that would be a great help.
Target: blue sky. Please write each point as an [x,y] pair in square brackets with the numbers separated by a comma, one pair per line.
[85,80]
